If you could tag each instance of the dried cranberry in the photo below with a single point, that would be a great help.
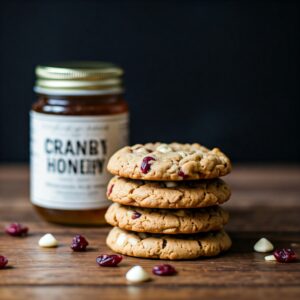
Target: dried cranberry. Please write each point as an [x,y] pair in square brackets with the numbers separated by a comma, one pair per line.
[182,174]
[110,189]
[135,215]
[164,270]
[145,167]
[79,243]
[16,229]
[107,260]
[285,255]
[3,261]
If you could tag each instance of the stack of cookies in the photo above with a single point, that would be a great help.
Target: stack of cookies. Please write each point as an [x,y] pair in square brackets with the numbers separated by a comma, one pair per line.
[166,201]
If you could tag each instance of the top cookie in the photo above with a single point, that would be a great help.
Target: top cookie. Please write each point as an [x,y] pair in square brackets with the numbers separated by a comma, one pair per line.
[157,161]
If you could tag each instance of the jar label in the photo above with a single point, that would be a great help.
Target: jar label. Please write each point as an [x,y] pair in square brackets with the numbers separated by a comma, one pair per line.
[69,155]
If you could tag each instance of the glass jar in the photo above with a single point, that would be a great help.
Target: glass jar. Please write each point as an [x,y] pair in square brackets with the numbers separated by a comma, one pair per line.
[79,120]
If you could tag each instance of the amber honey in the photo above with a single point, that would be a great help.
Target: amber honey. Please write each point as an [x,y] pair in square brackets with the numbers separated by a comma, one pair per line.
[79,119]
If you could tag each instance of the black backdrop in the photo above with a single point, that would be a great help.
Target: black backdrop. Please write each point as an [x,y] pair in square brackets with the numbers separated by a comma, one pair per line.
[223,73]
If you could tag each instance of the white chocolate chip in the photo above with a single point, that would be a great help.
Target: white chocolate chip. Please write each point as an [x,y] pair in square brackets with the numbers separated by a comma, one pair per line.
[270,258]
[170,184]
[129,213]
[182,154]
[141,150]
[137,274]
[263,245]
[121,239]
[173,168]
[48,241]
[133,241]
[163,148]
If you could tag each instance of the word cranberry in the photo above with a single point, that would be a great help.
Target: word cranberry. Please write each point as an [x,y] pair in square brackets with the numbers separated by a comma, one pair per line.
[79,243]
[135,215]
[145,166]
[3,261]
[285,255]
[110,189]
[16,229]
[107,260]
[164,270]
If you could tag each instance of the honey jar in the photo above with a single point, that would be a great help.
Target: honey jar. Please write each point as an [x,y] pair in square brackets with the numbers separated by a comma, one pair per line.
[79,119]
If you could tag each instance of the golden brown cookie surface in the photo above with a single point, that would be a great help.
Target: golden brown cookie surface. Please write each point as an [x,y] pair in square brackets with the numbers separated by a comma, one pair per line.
[176,221]
[157,161]
[179,194]
[168,246]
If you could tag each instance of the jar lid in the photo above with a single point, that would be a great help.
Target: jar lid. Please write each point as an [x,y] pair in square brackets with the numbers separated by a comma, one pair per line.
[79,77]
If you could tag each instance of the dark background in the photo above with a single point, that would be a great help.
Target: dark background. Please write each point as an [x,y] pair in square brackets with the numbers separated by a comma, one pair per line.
[221,73]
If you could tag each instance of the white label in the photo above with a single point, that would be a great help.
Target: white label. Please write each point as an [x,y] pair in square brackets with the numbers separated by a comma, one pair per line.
[69,155]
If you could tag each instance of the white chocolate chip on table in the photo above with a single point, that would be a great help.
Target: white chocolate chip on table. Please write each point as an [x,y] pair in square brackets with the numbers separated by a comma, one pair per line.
[263,245]
[137,274]
[270,258]
[48,241]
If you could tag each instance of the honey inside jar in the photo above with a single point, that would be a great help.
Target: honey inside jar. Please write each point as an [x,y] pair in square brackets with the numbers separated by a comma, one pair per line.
[79,119]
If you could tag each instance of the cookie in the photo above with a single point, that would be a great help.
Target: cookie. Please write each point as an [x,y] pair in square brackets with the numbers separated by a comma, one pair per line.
[156,161]
[173,194]
[168,246]
[166,221]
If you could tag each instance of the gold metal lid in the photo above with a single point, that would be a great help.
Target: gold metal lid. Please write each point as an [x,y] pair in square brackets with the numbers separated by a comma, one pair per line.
[82,77]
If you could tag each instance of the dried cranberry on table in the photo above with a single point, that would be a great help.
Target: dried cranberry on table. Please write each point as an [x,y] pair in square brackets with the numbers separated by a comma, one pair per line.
[285,255]
[16,229]
[3,261]
[109,260]
[145,166]
[164,270]
[79,243]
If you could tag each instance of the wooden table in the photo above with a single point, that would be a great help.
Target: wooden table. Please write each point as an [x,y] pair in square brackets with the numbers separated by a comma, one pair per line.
[265,203]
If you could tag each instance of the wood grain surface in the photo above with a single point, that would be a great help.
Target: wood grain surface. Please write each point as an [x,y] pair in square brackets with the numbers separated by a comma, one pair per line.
[265,203]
